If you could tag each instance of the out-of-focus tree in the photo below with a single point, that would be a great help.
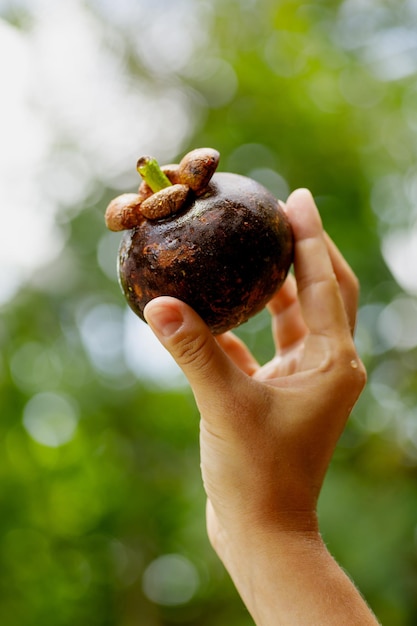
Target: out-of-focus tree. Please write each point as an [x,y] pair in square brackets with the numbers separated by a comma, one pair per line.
[102,506]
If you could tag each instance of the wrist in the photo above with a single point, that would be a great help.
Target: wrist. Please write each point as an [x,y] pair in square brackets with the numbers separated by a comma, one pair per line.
[285,574]
[244,545]
[234,527]
[264,564]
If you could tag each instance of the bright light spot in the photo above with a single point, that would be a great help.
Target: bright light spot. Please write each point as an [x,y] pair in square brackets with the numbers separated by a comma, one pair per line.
[386,396]
[107,254]
[28,235]
[389,372]
[377,421]
[50,419]
[397,324]
[389,50]
[170,580]
[358,21]
[400,253]
[387,199]
[250,156]
[146,357]
[270,179]
[73,116]
[390,410]
[111,117]
[171,38]
[405,433]
[390,406]
[367,337]
[216,80]
[394,196]
[392,53]
[101,329]
[66,179]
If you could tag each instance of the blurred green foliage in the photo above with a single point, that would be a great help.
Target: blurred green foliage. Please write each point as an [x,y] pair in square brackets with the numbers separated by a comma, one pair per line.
[102,505]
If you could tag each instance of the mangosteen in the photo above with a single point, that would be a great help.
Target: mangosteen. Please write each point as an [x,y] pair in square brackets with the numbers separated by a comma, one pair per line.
[218,241]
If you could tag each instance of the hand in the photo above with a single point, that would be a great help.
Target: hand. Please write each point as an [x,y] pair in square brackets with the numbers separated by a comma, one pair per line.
[268,432]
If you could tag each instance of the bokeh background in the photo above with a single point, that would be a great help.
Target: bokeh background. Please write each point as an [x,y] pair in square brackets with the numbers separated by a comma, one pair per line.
[102,509]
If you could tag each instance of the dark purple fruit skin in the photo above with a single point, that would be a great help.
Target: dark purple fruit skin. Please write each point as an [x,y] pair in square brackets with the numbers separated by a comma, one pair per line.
[225,254]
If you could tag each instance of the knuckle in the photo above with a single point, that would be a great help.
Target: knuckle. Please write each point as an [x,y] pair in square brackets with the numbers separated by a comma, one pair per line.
[350,366]
[196,352]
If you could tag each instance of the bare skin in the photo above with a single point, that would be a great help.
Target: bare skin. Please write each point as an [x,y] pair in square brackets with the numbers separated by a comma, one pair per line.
[267,433]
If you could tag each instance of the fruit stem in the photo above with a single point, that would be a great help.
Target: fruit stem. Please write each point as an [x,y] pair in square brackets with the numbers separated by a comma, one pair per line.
[152,174]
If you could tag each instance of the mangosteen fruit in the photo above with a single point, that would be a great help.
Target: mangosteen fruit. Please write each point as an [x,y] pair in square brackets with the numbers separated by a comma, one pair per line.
[218,241]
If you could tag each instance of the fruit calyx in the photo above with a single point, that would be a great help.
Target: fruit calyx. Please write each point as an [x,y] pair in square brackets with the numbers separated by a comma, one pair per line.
[164,190]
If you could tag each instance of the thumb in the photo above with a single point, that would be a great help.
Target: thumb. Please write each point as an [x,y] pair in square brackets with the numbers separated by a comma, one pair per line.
[188,339]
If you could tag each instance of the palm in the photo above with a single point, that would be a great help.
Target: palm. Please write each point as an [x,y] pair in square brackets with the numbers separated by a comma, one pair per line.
[303,327]
[297,349]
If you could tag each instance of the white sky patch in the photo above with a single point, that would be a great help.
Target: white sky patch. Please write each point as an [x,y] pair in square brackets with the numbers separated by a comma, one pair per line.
[118,343]
[101,329]
[171,580]
[399,249]
[146,357]
[73,117]
[50,419]
[95,100]
[28,236]
[392,53]
[397,324]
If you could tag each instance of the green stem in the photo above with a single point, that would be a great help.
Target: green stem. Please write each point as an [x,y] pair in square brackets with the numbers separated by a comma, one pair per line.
[152,174]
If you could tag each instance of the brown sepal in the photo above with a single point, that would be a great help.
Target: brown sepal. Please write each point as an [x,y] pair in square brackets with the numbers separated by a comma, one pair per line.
[124,212]
[164,203]
[197,167]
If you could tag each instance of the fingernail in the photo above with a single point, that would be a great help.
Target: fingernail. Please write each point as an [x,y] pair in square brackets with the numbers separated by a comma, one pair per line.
[164,320]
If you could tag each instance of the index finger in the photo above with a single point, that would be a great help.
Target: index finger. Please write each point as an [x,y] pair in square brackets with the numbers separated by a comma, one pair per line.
[318,289]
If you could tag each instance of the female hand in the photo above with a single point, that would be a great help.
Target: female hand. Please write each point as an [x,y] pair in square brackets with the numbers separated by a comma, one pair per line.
[268,432]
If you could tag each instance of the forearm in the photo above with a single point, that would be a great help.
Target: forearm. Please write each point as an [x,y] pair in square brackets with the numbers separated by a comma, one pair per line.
[290,579]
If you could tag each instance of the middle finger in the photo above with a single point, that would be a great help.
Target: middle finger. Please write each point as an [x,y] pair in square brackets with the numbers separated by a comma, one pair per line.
[288,326]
